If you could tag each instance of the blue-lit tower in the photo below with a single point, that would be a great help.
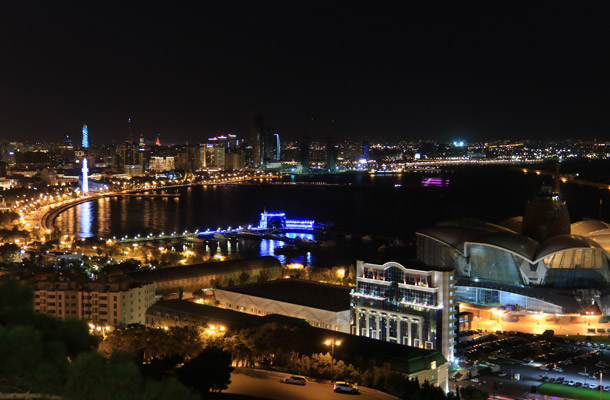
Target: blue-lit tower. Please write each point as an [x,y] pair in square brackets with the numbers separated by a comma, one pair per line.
[85,182]
[85,137]
[85,185]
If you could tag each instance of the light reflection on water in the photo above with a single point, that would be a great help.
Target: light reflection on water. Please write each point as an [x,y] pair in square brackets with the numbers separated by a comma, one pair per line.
[267,248]
[86,219]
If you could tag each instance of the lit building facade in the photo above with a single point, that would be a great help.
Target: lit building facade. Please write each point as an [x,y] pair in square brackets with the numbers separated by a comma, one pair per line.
[411,306]
[108,303]
[161,164]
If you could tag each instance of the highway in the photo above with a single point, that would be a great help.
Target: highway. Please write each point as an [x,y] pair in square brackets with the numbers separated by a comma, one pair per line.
[266,385]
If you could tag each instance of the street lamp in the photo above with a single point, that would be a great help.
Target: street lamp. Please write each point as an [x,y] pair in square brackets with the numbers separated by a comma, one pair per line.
[332,343]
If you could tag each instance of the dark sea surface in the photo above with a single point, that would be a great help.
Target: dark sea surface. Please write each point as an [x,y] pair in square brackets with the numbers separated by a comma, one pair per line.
[386,207]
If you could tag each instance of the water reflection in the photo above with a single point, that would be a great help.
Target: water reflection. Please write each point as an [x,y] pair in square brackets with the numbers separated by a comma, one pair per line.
[268,246]
[86,219]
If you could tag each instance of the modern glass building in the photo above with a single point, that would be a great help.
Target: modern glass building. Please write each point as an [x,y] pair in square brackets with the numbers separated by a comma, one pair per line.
[412,305]
[495,265]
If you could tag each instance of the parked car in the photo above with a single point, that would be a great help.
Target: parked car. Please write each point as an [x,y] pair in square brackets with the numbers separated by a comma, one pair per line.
[295,380]
[344,387]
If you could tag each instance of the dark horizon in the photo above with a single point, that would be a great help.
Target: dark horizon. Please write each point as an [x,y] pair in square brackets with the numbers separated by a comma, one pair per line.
[453,72]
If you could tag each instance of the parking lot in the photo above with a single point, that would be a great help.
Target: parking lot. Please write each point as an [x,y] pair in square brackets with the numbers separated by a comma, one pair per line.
[533,360]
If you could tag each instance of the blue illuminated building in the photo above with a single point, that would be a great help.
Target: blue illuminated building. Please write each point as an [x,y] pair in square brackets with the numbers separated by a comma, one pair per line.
[85,169]
[279,221]
[85,137]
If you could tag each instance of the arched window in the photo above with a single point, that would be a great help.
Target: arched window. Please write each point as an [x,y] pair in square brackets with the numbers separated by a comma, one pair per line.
[394,274]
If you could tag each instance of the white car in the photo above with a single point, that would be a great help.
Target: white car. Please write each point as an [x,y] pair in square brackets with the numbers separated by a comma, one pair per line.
[295,380]
[344,387]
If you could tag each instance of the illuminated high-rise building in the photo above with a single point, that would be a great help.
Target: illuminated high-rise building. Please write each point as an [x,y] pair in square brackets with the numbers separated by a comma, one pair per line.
[85,184]
[331,154]
[85,170]
[85,137]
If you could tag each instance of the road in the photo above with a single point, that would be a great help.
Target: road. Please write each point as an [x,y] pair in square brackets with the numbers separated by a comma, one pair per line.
[266,385]
[488,319]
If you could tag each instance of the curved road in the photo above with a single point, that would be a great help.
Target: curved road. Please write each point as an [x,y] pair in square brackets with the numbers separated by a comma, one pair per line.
[262,384]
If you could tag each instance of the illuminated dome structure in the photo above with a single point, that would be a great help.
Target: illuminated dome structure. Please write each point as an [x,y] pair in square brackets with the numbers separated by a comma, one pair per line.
[567,270]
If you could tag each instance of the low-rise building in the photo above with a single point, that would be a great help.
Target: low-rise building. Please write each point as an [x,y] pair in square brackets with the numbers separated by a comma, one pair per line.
[110,303]
[321,305]
[189,278]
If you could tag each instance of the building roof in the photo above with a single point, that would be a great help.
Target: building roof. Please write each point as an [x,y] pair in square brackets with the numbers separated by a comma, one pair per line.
[516,243]
[455,235]
[408,263]
[296,291]
[206,269]
[588,226]
[565,242]
[204,313]
[514,223]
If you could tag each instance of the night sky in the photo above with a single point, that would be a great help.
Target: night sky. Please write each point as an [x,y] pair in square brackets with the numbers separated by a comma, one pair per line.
[473,71]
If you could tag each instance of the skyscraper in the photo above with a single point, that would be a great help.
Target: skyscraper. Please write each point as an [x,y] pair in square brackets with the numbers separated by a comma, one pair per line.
[365,149]
[85,137]
[331,154]
[85,170]
[257,141]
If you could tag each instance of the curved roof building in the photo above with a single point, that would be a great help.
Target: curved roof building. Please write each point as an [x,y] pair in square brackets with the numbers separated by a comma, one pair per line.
[506,267]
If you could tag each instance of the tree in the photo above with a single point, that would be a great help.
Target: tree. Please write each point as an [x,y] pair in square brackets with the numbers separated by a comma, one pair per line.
[244,277]
[91,376]
[148,343]
[159,368]
[210,370]
[29,363]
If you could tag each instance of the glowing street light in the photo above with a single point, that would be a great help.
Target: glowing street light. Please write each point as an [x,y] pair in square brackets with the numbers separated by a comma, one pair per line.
[332,343]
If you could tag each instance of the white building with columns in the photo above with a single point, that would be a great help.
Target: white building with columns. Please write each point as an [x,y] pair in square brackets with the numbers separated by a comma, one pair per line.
[413,306]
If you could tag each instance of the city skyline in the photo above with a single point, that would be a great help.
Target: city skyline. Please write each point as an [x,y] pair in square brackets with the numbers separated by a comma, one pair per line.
[460,72]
